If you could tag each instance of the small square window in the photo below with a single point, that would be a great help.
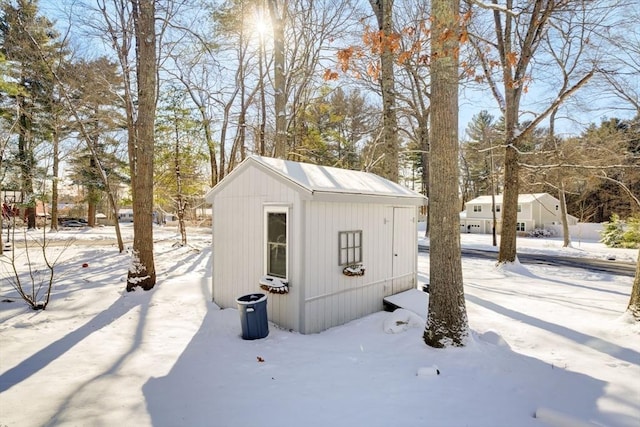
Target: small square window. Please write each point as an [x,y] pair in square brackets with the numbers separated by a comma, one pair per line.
[350,247]
[477,208]
[520,226]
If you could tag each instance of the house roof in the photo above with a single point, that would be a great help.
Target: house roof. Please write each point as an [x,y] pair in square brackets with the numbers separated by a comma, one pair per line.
[522,198]
[316,179]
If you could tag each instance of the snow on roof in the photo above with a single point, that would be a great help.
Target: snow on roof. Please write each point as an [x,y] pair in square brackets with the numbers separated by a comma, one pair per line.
[316,178]
[522,198]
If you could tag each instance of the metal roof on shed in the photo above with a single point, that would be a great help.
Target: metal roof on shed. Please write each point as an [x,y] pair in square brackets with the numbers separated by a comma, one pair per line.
[325,179]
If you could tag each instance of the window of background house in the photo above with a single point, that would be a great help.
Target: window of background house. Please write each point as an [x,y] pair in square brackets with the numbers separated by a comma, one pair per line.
[520,226]
[519,208]
[477,208]
[276,240]
[350,247]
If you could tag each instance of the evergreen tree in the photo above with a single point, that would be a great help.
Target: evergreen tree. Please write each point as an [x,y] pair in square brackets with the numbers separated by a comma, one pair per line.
[332,128]
[30,45]
[482,157]
[180,159]
[96,87]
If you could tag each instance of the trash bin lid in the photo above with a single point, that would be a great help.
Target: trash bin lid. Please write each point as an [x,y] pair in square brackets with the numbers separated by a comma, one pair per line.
[251,299]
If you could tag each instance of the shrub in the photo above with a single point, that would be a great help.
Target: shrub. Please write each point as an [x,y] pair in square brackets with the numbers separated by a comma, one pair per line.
[620,234]
[631,235]
[540,232]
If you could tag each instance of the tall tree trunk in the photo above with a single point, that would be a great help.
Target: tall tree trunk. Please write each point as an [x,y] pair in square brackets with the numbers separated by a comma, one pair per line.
[27,164]
[383,9]
[424,158]
[263,101]
[447,317]
[634,301]
[566,235]
[280,100]
[508,232]
[180,201]
[92,208]
[142,271]
[494,215]
[54,180]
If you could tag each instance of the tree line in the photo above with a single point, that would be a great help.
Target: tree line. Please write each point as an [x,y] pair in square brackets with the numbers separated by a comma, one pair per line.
[167,97]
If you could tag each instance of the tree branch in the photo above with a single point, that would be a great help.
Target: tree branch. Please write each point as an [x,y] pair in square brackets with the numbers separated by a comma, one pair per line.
[555,104]
[494,7]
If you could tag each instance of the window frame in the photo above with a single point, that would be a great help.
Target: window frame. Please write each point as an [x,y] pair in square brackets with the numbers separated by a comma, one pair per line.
[276,209]
[352,253]
[519,228]
[477,208]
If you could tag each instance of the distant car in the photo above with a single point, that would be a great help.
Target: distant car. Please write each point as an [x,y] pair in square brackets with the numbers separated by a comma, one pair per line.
[73,224]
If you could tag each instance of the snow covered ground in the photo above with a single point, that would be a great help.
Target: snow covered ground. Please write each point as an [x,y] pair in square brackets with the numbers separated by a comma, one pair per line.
[551,342]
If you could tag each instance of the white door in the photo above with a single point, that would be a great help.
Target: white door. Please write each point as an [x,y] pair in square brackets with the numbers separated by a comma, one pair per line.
[404,250]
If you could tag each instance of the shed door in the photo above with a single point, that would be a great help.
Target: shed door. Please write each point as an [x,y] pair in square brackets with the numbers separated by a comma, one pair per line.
[404,240]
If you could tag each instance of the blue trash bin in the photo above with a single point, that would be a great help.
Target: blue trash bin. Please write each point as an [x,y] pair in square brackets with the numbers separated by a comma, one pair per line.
[253,316]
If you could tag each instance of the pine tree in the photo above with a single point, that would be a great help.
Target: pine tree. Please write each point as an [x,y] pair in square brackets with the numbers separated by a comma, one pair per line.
[30,45]
[612,232]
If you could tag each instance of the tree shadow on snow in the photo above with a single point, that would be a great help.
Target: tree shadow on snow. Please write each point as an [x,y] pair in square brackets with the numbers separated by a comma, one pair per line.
[595,343]
[291,379]
[48,354]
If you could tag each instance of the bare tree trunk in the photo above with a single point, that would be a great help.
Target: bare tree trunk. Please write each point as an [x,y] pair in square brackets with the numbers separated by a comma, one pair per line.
[494,219]
[424,156]
[634,301]
[27,164]
[280,101]
[566,235]
[447,317]
[3,146]
[383,9]
[91,210]
[263,102]
[54,181]
[180,202]
[142,271]
[509,206]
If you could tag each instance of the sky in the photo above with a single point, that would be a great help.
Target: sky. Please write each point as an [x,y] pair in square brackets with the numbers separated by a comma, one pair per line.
[590,105]
[548,346]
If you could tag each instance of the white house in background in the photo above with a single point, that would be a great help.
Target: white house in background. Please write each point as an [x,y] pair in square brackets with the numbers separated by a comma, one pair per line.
[328,244]
[535,211]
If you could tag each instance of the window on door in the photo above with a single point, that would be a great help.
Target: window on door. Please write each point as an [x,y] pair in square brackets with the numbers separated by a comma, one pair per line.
[276,236]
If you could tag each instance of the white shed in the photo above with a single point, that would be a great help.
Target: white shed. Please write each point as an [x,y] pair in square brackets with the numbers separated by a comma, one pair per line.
[328,244]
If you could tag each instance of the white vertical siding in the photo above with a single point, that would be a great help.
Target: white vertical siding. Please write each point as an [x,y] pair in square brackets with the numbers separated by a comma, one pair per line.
[331,297]
[238,242]
[320,295]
